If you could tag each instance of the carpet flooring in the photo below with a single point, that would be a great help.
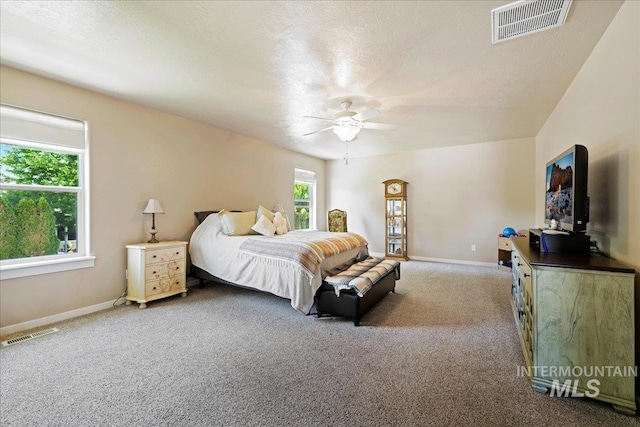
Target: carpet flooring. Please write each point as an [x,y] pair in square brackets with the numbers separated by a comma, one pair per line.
[442,350]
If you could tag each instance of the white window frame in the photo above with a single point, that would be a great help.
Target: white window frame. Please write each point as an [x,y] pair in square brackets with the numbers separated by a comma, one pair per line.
[308,177]
[45,126]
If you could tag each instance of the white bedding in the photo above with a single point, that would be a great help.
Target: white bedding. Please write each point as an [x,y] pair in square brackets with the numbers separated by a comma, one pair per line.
[218,254]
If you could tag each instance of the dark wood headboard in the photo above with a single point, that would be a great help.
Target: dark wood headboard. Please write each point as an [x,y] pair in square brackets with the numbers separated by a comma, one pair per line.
[202,215]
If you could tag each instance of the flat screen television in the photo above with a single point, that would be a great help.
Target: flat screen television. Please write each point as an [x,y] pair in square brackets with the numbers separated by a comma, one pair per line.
[566,198]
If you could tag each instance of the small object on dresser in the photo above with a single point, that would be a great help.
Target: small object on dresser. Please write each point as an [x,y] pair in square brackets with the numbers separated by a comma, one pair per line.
[508,232]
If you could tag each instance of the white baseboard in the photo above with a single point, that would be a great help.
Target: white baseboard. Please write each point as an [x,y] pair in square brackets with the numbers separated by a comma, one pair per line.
[454,261]
[12,329]
[443,260]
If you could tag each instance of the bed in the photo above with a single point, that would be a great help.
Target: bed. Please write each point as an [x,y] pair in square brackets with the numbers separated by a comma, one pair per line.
[290,266]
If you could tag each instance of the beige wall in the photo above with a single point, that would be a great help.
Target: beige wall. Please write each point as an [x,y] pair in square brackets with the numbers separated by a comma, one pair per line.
[139,153]
[457,196]
[601,110]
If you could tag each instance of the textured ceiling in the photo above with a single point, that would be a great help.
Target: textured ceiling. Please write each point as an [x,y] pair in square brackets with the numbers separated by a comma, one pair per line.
[256,68]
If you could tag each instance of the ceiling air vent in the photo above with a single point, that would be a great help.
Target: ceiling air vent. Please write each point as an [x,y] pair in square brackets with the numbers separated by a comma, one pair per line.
[527,16]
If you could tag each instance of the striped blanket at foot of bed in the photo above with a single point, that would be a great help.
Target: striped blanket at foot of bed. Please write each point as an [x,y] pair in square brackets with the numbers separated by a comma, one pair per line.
[363,275]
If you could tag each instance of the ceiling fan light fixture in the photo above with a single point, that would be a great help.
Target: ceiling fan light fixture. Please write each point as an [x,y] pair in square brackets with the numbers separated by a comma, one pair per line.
[347,123]
[346,133]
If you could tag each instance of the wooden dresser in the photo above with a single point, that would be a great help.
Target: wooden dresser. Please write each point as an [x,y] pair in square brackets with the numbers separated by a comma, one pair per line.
[156,270]
[575,318]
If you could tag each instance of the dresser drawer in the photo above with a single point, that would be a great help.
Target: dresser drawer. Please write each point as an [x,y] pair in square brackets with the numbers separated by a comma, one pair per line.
[152,288]
[164,254]
[165,269]
[523,268]
[166,285]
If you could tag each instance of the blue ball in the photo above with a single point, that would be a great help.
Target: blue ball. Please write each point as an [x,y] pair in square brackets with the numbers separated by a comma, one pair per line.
[508,232]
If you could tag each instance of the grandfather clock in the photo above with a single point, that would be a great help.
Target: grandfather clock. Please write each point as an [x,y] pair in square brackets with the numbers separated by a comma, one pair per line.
[395,205]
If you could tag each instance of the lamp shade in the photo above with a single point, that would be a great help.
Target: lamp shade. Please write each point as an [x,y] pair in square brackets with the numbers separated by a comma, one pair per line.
[153,207]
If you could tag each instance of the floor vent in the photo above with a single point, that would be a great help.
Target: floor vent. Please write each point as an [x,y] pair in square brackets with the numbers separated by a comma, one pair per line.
[527,16]
[16,340]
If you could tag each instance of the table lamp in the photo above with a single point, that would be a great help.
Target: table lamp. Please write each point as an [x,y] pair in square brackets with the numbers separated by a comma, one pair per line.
[153,208]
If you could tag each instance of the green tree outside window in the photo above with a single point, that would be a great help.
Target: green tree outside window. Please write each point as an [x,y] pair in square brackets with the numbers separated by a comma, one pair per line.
[8,231]
[36,221]
[302,205]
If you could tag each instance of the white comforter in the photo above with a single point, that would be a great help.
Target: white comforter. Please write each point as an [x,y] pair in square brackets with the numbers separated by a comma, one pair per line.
[218,254]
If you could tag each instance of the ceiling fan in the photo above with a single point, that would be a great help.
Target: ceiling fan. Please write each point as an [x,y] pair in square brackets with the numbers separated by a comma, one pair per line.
[347,124]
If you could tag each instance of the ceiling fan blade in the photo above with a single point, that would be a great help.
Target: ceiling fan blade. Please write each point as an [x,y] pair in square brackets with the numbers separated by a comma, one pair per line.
[367,114]
[320,118]
[378,126]
[321,130]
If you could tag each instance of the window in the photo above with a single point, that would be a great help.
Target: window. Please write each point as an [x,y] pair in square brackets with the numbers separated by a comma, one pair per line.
[43,193]
[304,193]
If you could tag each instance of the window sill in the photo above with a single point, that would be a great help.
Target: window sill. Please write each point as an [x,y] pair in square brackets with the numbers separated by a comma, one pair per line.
[13,271]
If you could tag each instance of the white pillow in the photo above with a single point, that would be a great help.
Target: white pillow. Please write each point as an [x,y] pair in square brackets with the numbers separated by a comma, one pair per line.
[237,223]
[280,223]
[288,223]
[286,218]
[266,212]
[264,226]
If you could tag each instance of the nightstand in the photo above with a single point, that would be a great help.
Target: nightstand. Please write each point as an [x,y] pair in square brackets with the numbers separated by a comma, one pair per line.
[156,270]
[504,253]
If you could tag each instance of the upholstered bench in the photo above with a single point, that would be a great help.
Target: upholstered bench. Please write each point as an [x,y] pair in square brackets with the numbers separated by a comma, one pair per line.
[353,291]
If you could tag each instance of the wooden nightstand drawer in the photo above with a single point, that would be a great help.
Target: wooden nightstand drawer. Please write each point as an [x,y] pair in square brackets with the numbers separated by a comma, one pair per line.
[166,285]
[164,255]
[504,243]
[173,268]
[152,288]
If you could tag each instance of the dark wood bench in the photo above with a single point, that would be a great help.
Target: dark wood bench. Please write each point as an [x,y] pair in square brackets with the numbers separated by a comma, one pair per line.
[348,303]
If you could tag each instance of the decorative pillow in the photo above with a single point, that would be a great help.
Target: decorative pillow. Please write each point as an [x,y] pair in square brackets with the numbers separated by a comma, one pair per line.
[280,223]
[264,226]
[266,212]
[237,223]
[286,219]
